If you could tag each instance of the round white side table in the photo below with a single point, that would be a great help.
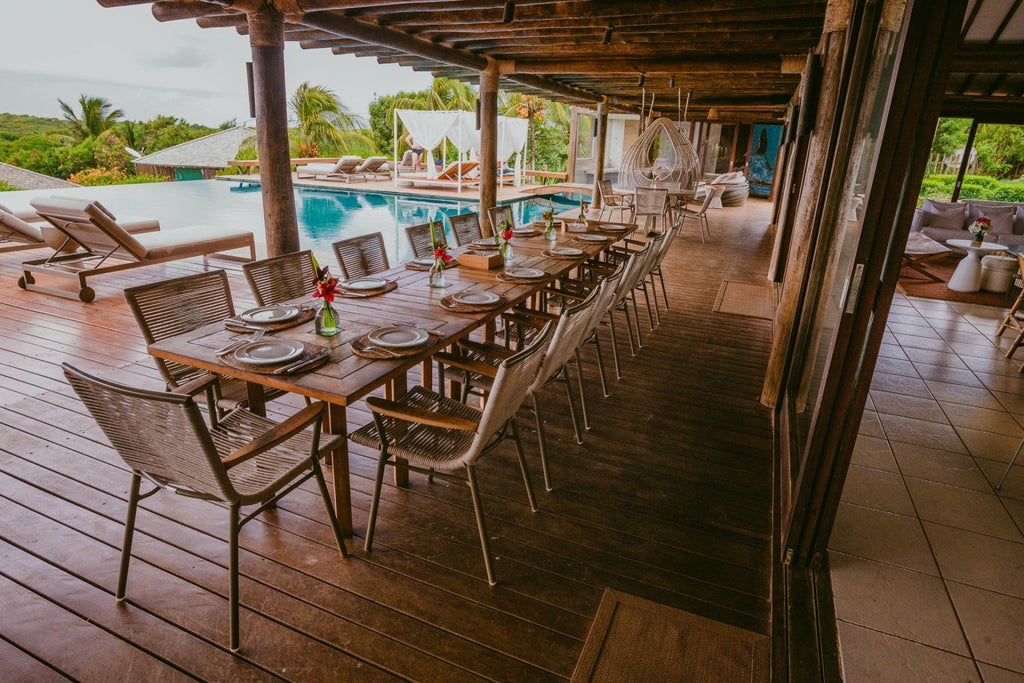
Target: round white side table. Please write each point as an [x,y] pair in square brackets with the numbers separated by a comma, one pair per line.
[967,276]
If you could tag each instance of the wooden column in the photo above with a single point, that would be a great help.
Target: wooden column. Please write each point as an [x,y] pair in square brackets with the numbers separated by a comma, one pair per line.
[596,200]
[266,36]
[965,161]
[488,144]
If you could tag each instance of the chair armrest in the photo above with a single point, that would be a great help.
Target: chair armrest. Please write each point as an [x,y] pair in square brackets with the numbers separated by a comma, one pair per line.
[382,406]
[486,348]
[567,295]
[478,367]
[193,387]
[538,314]
[278,435]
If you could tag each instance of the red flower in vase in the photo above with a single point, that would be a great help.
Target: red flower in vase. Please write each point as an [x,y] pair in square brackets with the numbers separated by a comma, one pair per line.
[442,254]
[325,283]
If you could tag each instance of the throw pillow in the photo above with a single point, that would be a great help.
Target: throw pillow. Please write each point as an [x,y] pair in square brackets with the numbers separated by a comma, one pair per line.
[944,215]
[1002,223]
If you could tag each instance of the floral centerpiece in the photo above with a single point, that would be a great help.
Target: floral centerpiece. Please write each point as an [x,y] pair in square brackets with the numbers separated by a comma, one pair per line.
[978,229]
[326,322]
[441,257]
[501,238]
[549,223]
[583,211]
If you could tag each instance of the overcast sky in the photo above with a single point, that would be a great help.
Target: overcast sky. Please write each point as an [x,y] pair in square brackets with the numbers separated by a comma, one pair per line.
[64,48]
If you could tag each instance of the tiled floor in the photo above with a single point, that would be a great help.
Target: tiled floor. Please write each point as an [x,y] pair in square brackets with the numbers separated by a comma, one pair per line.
[927,557]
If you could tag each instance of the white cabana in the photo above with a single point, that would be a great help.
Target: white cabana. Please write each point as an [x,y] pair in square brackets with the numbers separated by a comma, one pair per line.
[428,128]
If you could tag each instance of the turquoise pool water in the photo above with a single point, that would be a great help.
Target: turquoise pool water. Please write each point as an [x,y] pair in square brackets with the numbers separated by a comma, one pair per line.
[324,215]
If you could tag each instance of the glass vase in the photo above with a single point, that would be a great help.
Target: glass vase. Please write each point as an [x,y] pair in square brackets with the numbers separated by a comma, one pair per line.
[549,231]
[326,321]
[437,278]
[508,256]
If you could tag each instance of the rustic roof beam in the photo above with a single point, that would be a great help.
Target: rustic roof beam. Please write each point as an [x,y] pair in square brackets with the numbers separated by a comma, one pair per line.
[710,65]
[989,59]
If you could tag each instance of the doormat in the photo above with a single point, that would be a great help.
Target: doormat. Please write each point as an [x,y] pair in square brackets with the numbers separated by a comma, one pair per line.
[633,639]
[752,299]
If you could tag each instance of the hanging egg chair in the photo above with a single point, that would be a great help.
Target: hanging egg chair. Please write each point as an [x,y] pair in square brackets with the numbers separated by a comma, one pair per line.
[661,156]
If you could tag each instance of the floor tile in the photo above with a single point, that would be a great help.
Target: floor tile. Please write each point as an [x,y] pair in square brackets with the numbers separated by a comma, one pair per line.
[921,432]
[1001,382]
[891,351]
[896,367]
[982,419]
[993,363]
[993,674]
[963,509]
[951,375]
[872,656]
[978,560]
[870,426]
[878,490]
[945,359]
[908,342]
[1013,484]
[993,623]
[903,329]
[944,467]
[899,384]
[1011,401]
[873,452]
[957,393]
[892,600]
[907,406]
[1016,509]
[988,445]
[883,537]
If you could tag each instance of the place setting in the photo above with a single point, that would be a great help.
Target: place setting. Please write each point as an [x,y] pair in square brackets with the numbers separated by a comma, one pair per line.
[522,274]
[274,356]
[472,301]
[363,287]
[526,231]
[279,317]
[427,262]
[570,253]
[393,342]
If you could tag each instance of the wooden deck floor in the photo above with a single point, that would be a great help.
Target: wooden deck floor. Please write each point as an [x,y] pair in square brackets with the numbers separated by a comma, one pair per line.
[668,499]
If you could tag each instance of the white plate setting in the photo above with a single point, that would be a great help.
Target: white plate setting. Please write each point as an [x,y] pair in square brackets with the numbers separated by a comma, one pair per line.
[485,242]
[592,238]
[269,351]
[525,273]
[270,314]
[566,251]
[399,336]
[475,298]
[523,231]
[365,283]
[424,261]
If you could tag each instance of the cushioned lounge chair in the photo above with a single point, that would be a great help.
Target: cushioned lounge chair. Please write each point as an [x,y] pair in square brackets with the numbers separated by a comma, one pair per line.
[456,173]
[16,233]
[344,168]
[79,220]
[376,167]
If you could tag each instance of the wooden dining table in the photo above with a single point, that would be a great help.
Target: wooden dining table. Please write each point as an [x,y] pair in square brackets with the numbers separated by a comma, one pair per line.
[347,377]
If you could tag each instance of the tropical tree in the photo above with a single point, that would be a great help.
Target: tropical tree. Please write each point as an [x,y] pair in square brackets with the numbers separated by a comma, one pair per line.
[444,94]
[324,124]
[97,117]
[537,111]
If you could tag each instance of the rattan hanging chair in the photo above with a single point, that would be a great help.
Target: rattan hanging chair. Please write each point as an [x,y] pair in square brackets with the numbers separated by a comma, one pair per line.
[660,157]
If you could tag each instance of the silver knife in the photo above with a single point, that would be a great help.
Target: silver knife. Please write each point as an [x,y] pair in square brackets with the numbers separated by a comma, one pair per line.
[299,365]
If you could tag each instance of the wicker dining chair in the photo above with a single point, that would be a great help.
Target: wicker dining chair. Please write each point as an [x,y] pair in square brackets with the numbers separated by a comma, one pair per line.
[466,227]
[651,204]
[701,214]
[501,215]
[612,200]
[361,256]
[244,460]
[172,307]
[281,278]
[420,240]
[1013,319]
[441,437]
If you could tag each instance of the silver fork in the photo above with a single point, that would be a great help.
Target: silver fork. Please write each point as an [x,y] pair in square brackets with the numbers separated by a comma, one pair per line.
[238,342]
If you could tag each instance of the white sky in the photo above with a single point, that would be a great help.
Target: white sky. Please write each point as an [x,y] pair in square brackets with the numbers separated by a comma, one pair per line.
[64,48]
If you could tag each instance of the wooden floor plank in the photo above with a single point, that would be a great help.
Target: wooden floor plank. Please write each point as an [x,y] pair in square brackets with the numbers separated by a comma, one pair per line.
[668,498]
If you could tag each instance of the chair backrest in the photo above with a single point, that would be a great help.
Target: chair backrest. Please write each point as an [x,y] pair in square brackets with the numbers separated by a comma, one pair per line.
[361,256]
[710,193]
[457,170]
[631,274]
[419,239]
[171,307]
[608,195]
[605,298]
[510,388]
[158,434]
[347,164]
[572,329]
[280,278]
[371,164]
[18,228]
[650,201]
[80,219]
[650,259]
[466,227]
[500,215]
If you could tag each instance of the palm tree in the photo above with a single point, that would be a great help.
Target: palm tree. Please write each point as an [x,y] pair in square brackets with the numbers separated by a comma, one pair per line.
[325,125]
[444,94]
[98,116]
[532,108]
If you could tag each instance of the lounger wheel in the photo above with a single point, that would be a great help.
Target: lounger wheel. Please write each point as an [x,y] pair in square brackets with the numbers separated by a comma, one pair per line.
[25,280]
[86,294]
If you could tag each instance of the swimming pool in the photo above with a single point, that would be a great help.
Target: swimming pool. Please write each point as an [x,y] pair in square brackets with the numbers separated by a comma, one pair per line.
[325,215]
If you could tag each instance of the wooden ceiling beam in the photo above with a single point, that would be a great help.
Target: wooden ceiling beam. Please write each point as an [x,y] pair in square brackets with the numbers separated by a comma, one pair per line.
[985,109]
[665,40]
[989,59]
[765,63]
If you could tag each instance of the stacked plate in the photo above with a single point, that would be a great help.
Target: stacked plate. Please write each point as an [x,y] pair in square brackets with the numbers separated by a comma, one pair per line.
[269,351]
[269,315]
[565,251]
[525,273]
[365,283]
[472,298]
[398,336]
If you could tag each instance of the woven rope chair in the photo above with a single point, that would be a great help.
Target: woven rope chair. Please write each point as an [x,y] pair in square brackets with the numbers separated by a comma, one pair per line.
[466,227]
[419,239]
[500,215]
[1012,321]
[280,278]
[441,437]
[701,214]
[361,256]
[651,204]
[632,271]
[610,199]
[245,460]
[171,307]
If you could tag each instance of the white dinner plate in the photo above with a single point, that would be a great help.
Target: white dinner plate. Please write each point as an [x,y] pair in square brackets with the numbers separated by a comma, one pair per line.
[476,298]
[270,314]
[566,251]
[613,226]
[424,260]
[592,238]
[269,351]
[399,336]
[523,231]
[525,273]
[365,283]
[485,242]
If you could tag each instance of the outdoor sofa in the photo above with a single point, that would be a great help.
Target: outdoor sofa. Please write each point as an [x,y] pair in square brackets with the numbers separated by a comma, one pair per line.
[944,221]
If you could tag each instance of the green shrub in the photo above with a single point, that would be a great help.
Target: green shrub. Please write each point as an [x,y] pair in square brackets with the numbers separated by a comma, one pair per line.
[1009,192]
[4,187]
[973,191]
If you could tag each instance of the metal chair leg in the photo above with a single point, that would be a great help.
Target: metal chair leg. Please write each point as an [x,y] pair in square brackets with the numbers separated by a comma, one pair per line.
[600,365]
[1020,447]
[572,404]
[233,576]
[615,345]
[129,534]
[521,456]
[583,396]
[378,481]
[318,473]
[481,525]
[541,440]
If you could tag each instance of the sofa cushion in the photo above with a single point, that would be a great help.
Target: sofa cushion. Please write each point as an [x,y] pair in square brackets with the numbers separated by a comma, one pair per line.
[1018,220]
[943,234]
[944,214]
[1002,222]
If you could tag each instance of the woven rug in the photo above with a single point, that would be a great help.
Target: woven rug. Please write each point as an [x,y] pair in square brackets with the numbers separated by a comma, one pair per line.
[633,639]
[914,284]
[752,299]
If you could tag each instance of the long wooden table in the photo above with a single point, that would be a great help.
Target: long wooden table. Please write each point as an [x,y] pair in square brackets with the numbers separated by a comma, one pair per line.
[346,377]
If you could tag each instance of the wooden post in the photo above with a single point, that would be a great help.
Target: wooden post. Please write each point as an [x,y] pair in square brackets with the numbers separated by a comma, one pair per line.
[602,126]
[488,144]
[965,161]
[266,36]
